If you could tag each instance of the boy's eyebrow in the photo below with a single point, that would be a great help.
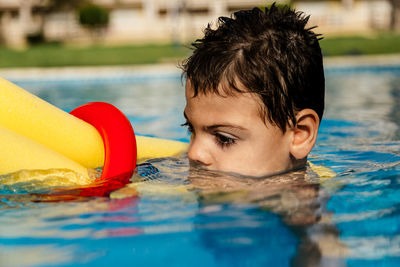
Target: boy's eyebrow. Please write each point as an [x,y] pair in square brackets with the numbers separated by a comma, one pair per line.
[216,126]
[230,127]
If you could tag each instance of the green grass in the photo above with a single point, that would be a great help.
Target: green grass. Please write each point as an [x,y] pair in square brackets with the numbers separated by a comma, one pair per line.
[53,55]
[59,55]
[379,44]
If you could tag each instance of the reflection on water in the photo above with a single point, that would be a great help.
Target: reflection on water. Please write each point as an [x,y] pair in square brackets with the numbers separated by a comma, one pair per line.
[290,195]
[175,213]
[288,204]
[229,215]
[11,256]
[394,114]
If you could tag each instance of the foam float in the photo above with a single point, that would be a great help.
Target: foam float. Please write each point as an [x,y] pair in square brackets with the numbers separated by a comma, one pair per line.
[35,135]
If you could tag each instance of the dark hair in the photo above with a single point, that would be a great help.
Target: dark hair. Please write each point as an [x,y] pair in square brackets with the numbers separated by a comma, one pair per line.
[270,53]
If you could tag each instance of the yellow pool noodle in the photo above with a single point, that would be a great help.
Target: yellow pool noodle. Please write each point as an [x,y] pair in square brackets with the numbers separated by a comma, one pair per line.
[25,115]
[20,153]
[150,147]
[34,118]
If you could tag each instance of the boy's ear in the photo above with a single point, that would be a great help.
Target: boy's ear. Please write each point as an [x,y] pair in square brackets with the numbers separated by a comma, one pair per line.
[304,133]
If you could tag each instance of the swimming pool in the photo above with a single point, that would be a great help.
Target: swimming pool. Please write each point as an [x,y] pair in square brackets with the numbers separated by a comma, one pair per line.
[179,219]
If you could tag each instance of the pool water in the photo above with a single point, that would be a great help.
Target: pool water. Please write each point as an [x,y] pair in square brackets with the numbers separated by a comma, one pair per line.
[188,216]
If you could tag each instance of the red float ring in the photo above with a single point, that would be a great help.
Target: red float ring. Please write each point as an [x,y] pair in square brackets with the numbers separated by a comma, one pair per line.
[118,138]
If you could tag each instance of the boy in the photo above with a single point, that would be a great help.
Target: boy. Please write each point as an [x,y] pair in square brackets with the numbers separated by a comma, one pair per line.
[254,93]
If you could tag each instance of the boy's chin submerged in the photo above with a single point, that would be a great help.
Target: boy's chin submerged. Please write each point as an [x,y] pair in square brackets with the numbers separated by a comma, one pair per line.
[287,193]
[234,171]
[246,173]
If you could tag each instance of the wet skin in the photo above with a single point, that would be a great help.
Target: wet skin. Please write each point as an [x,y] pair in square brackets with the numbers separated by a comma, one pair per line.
[229,134]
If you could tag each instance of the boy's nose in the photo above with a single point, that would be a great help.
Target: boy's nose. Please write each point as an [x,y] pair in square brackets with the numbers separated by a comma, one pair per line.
[198,153]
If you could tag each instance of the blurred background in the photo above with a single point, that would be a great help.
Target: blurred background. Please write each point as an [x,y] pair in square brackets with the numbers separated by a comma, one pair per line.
[49,33]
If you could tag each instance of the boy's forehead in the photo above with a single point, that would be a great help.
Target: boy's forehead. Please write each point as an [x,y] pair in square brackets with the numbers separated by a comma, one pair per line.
[246,103]
[223,89]
[219,97]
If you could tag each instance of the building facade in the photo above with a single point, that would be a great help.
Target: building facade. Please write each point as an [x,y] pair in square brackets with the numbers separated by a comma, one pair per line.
[150,21]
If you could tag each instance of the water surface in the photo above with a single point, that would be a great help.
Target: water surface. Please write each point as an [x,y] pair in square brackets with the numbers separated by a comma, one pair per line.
[186,216]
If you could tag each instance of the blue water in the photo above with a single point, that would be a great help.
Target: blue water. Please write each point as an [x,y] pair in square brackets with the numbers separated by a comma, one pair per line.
[183,217]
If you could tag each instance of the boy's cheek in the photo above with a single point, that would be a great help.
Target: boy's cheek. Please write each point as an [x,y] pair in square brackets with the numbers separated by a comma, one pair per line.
[237,160]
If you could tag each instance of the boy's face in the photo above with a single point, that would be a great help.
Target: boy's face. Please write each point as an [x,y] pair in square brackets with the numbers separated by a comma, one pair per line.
[228,134]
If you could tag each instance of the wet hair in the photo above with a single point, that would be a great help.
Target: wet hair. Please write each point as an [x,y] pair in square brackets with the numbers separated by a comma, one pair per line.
[270,53]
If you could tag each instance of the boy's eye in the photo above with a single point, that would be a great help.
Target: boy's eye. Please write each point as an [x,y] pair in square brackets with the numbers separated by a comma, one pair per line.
[189,126]
[224,140]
